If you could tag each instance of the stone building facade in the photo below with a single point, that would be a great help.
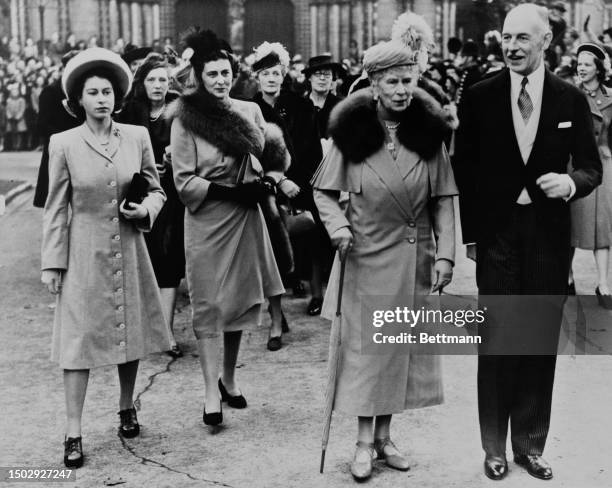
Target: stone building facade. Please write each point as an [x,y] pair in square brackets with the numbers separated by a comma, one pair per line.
[304,26]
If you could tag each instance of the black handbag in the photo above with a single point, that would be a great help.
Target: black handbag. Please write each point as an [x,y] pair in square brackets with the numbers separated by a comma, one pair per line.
[137,191]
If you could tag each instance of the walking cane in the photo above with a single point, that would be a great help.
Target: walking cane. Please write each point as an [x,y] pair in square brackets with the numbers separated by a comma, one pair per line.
[334,360]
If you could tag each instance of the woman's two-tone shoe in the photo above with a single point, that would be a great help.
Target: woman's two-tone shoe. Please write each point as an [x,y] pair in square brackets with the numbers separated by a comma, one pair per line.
[361,467]
[604,300]
[128,426]
[386,450]
[234,401]
[73,452]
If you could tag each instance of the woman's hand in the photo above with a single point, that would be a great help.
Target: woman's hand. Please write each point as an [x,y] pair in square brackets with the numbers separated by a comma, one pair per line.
[53,279]
[136,211]
[444,274]
[289,188]
[342,239]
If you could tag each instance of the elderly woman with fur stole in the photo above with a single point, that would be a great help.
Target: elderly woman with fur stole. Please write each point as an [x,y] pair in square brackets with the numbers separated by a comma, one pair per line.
[396,234]
[215,144]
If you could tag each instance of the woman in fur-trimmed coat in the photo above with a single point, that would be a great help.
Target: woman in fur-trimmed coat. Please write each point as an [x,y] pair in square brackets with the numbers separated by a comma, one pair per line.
[215,144]
[397,237]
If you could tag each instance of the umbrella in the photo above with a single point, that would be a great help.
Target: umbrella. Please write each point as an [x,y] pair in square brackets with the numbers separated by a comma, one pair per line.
[334,360]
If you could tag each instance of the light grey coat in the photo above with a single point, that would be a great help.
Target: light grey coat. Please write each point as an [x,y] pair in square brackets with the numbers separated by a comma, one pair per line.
[109,309]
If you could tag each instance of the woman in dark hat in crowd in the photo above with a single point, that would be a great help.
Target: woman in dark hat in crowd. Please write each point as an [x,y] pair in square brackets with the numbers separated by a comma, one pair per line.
[297,119]
[134,56]
[94,257]
[146,105]
[592,215]
[388,153]
[321,73]
[215,143]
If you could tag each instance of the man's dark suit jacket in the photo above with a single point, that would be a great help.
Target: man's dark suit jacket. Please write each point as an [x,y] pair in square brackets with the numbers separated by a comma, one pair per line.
[489,168]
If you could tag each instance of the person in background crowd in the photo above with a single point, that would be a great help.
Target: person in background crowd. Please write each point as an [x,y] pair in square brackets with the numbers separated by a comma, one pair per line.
[245,86]
[388,153]
[558,25]
[146,105]
[231,269]
[94,257]
[56,48]
[30,50]
[297,118]
[3,120]
[591,217]
[4,47]
[321,74]
[454,46]
[71,43]
[35,92]
[571,41]
[15,116]
[134,56]
[470,69]
[296,81]
[53,117]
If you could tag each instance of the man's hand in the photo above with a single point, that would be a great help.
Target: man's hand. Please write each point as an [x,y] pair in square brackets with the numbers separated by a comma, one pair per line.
[444,274]
[554,185]
[343,240]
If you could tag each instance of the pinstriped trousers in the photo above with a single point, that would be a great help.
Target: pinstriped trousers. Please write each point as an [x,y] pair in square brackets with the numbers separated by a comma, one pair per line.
[526,257]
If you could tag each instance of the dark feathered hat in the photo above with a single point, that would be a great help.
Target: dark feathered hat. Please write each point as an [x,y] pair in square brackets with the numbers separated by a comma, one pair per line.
[206,45]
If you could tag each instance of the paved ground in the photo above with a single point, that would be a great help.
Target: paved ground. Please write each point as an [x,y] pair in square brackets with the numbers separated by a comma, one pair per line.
[275,442]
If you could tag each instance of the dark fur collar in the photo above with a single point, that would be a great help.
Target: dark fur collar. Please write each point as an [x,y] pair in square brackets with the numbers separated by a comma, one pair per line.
[357,132]
[219,123]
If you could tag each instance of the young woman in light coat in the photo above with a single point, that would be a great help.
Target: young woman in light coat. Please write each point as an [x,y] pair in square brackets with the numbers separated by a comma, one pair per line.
[94,256]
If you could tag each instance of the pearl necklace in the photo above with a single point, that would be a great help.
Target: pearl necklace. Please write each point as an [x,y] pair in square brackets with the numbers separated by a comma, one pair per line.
[154,116]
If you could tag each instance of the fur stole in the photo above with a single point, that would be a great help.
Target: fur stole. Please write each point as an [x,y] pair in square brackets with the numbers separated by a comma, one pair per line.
[275,156]
[219,123]
[358,133]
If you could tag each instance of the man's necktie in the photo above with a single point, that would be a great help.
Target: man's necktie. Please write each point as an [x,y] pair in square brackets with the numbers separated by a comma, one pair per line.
[525,104]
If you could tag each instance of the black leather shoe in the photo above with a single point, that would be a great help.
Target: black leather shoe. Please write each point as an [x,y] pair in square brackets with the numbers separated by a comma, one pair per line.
[129,423]
[275,343]
[175,352]
[298,290]
[535,466]
[495,467]
[237,401]
[314,307]
[73,452]
[214,418]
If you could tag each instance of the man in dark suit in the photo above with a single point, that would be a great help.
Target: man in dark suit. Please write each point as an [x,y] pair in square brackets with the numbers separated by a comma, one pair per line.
[518,130]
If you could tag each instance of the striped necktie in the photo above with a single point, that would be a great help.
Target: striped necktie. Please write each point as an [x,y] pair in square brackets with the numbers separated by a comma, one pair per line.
[525,104]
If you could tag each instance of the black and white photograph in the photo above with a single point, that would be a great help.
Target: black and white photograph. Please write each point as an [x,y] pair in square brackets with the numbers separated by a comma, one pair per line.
[306,243]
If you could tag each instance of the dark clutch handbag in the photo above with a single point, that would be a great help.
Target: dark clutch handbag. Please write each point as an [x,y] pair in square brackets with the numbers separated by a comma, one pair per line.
[137,191]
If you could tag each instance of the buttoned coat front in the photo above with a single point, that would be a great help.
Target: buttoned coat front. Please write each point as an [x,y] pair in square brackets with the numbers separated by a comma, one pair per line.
[109,310]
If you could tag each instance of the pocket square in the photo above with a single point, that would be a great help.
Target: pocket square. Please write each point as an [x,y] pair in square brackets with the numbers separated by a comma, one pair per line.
[564,125]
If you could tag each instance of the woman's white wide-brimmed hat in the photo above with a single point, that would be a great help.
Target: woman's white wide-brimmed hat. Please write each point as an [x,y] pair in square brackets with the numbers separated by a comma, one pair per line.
[97,57]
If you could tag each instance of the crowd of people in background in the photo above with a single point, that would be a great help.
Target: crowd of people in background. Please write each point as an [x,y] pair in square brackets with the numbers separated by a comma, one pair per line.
[25,70]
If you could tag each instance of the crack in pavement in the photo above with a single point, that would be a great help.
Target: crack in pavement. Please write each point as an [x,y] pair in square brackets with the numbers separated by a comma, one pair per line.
[152,462]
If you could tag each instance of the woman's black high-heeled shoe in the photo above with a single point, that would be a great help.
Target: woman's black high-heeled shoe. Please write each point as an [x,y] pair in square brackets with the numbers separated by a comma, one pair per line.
[73,452]
[214,418]
[129,426]
[275,343]
[237,401]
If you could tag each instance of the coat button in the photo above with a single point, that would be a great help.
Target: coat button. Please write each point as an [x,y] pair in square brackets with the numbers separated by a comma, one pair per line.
[120,308]
[411,223]
[122,344]
[120,290]
[121,325]
[116,237]
[114,201]
[115,219]
[118,255]
[119,273]
[411,240]
[113,183]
